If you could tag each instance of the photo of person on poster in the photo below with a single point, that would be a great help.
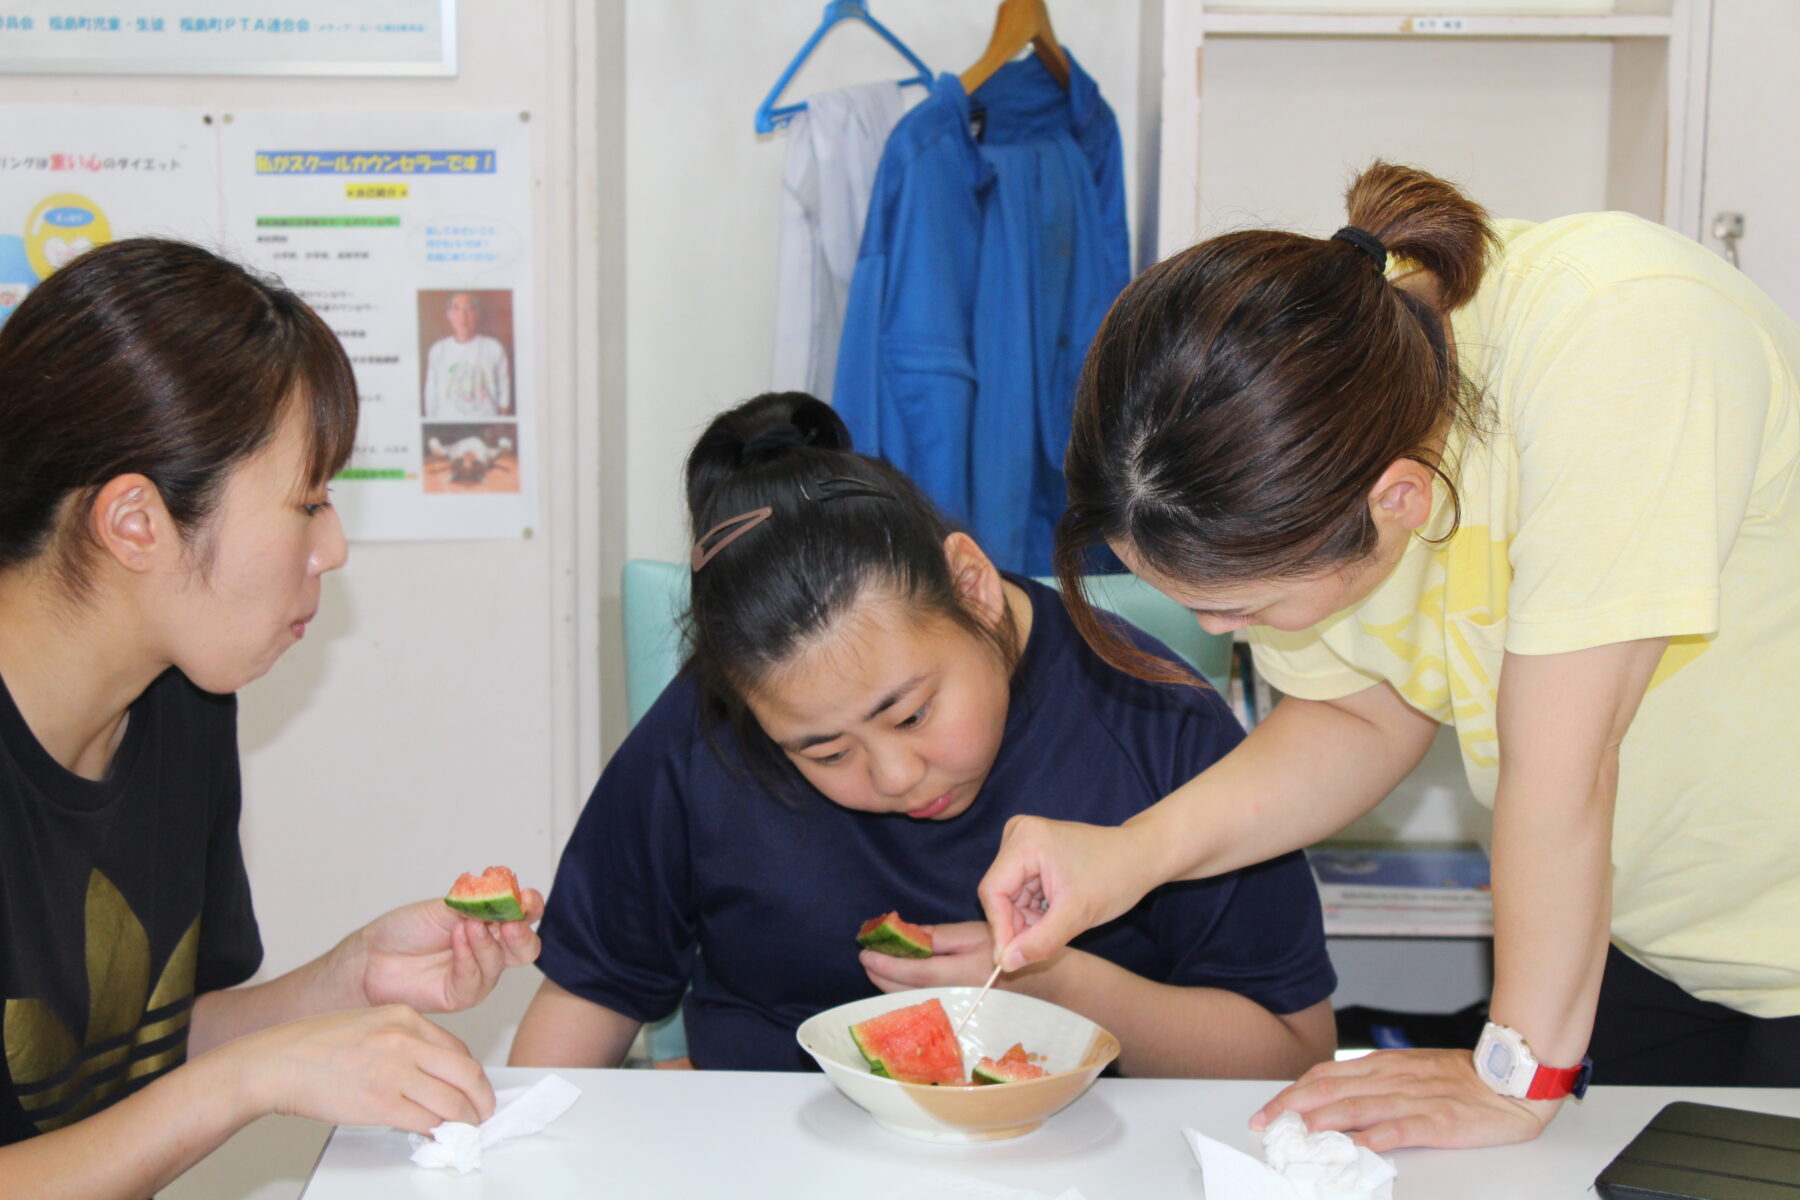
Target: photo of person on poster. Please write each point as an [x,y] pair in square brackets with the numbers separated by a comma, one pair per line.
[471,458]
[468,373]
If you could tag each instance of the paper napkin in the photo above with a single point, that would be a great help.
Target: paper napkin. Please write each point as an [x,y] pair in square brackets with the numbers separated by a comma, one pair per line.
[518,1112]
[1299,1166]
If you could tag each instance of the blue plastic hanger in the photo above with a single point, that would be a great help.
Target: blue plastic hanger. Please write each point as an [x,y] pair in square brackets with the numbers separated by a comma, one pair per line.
[769,118]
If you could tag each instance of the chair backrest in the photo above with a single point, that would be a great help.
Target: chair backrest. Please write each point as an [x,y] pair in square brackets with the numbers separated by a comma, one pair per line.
[655,593]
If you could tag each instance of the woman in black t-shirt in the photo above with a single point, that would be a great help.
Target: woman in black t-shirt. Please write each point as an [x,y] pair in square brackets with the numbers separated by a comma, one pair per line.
[169,422]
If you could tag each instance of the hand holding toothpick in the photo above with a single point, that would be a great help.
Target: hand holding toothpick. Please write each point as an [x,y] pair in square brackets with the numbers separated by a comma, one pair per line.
[979,997]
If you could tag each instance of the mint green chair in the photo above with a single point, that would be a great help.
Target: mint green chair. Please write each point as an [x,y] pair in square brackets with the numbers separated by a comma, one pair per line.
[656,593]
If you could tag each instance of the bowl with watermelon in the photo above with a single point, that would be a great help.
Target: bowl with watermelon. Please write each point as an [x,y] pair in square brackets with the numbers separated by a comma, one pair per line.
[1017,1062]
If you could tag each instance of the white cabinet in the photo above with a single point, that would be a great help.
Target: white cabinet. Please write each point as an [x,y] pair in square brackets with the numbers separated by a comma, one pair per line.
[1268,109]
[1752,125]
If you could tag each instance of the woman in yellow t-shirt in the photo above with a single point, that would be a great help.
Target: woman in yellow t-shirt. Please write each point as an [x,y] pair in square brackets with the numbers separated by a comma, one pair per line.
[1533,481]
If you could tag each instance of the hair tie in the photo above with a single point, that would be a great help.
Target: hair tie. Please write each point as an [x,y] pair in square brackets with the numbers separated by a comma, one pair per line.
[775,437]
[744,523]
[1365,241]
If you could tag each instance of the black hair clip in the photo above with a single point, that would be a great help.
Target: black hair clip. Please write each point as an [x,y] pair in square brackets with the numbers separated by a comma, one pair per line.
[841,487]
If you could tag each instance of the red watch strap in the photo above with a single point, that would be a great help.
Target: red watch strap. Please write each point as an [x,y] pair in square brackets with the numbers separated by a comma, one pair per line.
[1553,1083]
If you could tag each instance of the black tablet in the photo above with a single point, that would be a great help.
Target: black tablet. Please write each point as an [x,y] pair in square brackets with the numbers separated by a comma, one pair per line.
[1704,1152]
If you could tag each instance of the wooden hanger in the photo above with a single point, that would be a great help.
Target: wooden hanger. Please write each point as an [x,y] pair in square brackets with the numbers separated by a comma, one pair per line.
[1019,23]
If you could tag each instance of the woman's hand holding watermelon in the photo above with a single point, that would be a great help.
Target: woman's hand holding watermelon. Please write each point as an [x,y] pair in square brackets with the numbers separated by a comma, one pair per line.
[427,956]
[962,956]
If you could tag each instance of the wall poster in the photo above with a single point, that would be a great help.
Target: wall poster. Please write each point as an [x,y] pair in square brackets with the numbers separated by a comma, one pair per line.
[415,244]
[409,234]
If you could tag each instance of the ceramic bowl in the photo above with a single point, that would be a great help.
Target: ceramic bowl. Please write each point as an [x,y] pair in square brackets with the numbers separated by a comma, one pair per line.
[1074,1051]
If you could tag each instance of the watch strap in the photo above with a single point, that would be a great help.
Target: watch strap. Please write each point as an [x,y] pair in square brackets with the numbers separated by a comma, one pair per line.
[1553,1083]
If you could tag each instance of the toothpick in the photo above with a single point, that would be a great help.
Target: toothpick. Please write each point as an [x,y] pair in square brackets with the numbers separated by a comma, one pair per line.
[978,999]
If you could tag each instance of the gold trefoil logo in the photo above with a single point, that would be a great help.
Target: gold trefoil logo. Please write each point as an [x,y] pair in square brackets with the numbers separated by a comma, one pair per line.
[59,1081]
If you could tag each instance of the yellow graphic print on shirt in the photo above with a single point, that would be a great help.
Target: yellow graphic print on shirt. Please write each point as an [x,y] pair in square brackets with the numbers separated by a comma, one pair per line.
[1436,631]
[133,1032]
[1470,574]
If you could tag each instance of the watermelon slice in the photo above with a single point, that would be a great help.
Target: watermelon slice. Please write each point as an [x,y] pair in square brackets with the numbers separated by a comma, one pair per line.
[1012,1067]
[890,935]
[492,895]
[913,1045]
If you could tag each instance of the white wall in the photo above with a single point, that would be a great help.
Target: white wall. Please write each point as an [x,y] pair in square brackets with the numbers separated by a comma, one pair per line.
[1287,122]
[442,713]
[703,194]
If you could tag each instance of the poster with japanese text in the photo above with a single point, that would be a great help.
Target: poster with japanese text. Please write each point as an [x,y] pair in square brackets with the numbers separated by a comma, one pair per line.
[410,233]
[73,177]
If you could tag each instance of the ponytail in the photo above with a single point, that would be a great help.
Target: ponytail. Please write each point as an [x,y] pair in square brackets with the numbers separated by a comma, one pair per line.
[1427,222]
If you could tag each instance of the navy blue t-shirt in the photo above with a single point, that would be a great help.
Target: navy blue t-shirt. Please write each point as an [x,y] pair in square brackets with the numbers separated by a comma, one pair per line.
[680,850]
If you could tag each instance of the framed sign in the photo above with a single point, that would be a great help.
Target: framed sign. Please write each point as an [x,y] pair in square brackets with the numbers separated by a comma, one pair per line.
[229,37]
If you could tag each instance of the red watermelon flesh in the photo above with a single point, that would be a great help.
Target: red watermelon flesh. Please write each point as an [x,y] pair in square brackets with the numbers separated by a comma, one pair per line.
[1012,1067]
[913,1045]
[888,934]
[492,895]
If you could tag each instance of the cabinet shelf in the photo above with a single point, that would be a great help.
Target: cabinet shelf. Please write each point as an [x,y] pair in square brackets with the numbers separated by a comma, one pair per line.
[1267,109]
[1455,25]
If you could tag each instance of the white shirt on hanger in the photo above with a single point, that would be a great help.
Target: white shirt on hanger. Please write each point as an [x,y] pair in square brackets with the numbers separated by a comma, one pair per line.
[834,147]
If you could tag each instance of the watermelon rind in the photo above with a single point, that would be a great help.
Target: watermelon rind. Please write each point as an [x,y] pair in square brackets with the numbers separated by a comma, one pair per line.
[1015,1066]
[492,895]
[504,907]
[989,1071]
[876,1066]
[914,1044]
[885,936]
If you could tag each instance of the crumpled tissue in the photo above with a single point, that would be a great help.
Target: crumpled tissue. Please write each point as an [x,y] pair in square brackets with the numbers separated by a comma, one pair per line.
[1299,1166]
[517,1112]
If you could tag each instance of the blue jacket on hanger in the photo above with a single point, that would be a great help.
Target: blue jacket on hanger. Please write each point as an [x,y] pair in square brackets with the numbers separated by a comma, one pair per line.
[994,245]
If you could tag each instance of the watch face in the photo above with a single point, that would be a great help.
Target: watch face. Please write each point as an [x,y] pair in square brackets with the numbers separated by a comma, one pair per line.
[1497,1062]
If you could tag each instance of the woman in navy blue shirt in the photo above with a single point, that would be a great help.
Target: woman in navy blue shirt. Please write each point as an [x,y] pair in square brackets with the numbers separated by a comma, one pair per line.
[867,703]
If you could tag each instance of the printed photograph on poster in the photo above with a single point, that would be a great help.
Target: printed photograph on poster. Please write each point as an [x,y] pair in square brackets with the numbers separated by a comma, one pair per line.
[75,177]
[469,459]
[466,346]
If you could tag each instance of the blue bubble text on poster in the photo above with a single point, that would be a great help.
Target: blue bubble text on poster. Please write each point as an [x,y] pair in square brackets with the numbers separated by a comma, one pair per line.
[464,245]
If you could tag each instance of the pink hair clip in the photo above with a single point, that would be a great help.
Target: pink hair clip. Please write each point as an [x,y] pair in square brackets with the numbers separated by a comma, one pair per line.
[745,522]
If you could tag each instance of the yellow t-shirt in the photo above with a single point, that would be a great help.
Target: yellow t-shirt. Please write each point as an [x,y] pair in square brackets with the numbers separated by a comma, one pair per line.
[1636,480]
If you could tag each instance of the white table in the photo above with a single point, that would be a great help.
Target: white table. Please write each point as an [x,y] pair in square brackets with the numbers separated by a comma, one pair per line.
[743,1135]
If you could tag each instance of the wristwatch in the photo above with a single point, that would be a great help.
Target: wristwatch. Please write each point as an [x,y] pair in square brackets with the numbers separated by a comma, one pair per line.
[1506,1064]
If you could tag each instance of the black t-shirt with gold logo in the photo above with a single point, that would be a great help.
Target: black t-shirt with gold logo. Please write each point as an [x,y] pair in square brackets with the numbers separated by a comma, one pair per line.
[120,901]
